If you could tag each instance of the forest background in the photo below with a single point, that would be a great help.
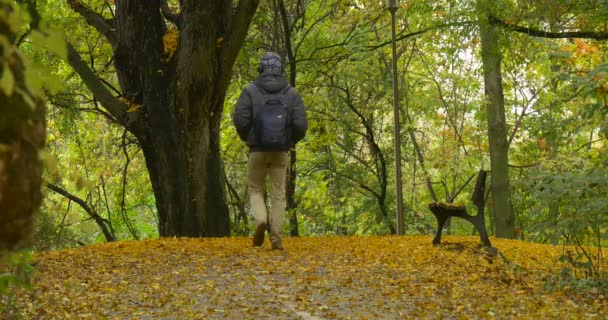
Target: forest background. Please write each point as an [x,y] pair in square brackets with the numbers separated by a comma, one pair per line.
[551,68]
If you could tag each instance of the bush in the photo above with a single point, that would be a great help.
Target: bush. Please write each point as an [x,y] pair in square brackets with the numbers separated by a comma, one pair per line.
[15,273]
[569,207]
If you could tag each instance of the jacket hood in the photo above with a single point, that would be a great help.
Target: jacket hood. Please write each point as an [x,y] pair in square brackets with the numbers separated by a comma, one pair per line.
[271,82]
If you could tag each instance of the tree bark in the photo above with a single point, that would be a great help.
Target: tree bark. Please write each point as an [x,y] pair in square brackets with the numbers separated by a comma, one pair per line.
[291,169]
[22,136]
[497,132]
[181,99]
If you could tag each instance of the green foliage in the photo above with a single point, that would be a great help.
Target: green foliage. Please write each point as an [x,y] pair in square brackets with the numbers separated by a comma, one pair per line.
[567,280]
[442,103]
[15,273]
[569,207]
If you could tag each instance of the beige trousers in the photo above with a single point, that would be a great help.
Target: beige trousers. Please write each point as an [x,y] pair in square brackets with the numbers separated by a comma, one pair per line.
[274,165]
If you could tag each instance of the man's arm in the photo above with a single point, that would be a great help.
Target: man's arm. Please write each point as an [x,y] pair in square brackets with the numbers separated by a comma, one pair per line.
[300,123]
[242,116]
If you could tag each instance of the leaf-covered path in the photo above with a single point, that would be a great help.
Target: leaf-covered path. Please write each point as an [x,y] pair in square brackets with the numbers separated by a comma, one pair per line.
[314,278]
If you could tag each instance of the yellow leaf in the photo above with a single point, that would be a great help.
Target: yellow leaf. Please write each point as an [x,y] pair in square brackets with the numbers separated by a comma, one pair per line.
[133,107]
[170,41]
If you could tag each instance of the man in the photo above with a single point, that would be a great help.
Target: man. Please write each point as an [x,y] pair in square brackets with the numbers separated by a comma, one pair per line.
[270,117]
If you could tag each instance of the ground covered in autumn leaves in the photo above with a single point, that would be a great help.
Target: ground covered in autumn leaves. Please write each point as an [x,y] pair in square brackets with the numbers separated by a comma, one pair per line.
[314,278]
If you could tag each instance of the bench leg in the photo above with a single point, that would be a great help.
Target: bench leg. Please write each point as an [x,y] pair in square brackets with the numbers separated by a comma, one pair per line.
[480,224]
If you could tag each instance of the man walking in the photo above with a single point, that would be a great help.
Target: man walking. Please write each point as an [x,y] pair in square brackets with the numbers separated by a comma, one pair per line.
[270,117]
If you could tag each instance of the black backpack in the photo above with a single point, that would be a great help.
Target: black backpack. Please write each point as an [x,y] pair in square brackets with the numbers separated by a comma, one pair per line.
[272,119]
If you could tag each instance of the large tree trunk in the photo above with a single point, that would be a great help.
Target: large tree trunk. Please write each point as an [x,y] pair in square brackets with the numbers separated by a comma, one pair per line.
[22,135]
[497,133]
[181,98]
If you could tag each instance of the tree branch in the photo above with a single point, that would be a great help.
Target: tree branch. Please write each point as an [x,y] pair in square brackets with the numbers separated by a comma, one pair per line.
[90,79]
[419,32]
[34,16]
[359,183]
[239,26]
[305,34]
[95,20]
[590,143]
[176,18]
[544,34]
[123,192]
[116,108]
[101,222]
[420,156]
[288,45]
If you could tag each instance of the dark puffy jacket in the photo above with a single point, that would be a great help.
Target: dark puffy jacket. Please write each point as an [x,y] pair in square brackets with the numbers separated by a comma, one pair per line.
[243,111]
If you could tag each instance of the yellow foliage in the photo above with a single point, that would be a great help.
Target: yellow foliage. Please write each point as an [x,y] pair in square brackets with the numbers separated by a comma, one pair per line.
[325,277]
[170,40]
[132,106]
[585,47]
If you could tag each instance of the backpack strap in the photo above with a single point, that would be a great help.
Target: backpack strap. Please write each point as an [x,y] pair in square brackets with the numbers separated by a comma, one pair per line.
[282,95]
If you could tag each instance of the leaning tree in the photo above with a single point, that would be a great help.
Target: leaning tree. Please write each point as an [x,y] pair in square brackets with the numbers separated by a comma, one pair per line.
[172,102]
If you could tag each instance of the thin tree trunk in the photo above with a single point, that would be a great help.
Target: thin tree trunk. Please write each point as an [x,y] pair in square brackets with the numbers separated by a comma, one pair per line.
[427,179]
[290,201]
[497,133]
[291,169]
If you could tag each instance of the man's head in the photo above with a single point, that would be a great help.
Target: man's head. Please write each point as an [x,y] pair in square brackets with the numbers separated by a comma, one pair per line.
[271,63]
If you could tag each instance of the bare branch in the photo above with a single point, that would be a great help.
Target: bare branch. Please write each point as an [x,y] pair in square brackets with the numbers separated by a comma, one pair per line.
[95,20]
[357,182]
[419,32]
[544,34]
[99,90]
[116,108]
[101,222]
[590,143]
[123,192]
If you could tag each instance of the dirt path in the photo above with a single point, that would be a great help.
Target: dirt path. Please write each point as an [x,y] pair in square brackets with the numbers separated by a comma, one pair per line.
[314,278]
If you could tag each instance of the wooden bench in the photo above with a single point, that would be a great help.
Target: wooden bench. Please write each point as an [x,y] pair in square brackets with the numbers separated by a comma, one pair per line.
[443,211]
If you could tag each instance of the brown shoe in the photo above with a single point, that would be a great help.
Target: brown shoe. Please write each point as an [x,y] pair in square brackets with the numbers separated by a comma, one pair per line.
[276,244]
[258,237]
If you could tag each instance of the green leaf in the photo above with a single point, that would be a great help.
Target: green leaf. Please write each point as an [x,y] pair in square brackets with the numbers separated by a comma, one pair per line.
[52,40]
[34,79]
[7,81]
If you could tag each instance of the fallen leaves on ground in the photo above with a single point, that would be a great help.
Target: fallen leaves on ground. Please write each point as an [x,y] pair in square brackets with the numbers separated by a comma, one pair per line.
[314,278]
